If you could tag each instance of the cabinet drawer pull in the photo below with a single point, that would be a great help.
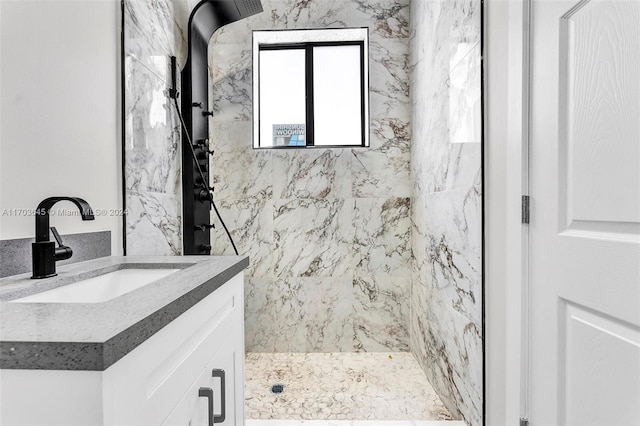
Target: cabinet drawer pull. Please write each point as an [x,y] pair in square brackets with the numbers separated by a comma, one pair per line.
[223,403]
[208,393]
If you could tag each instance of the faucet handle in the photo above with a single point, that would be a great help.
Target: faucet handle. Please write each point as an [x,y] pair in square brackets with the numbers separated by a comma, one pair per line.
[57,236]
[62,252]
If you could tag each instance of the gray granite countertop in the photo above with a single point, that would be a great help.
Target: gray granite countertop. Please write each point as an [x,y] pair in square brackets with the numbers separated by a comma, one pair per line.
[93,336]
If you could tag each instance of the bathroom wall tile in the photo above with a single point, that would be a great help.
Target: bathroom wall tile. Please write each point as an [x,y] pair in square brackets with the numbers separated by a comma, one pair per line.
[238,171]
[418,324]
[446,305]
[383,170]
[381,314]
[454,249]
[385,18]
[153,32]
[436,163]
[465,111]
[453,362]
[152,132]
[389,78]
[153,224]
[313,315]
[230,71]
[156,29]
[259,314]
[311,173]
[313,237]
[250,222]
[382,237]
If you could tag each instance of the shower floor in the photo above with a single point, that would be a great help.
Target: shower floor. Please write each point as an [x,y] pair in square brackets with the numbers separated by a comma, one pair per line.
[339,386]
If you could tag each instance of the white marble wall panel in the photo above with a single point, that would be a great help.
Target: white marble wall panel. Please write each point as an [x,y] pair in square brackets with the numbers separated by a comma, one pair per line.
[446,305]
[250,222]
[314,173]
[259,314]
[313,237]
[237,170]
[314,193]
[384,18]
[381,245]
[153,225]
[313,314]
[389,78]
[153,32]
[230,71]
[383,169]
[381,313]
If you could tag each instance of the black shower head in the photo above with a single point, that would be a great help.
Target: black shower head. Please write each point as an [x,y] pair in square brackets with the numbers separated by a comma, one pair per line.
[248,7]
[210,15]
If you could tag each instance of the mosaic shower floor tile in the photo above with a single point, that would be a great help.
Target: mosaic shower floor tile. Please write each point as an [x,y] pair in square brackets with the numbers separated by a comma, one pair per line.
[340,387]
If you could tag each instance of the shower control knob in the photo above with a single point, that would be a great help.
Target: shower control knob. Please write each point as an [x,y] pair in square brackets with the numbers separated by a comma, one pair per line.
[200,185]
[204,195]
[197,104]
[205,248]
[204,227]
[202,143]
[207,113]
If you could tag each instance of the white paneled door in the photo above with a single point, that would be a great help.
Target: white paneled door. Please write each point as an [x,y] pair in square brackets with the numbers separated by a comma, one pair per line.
[584,297]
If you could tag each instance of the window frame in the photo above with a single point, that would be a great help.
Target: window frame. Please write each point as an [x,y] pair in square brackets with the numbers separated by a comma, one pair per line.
[307,40]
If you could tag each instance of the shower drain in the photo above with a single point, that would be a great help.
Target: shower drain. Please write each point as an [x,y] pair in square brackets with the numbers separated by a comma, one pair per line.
[277,388]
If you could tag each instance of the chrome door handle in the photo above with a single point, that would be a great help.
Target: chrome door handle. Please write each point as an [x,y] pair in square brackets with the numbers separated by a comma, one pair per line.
[223,403]
[208,393]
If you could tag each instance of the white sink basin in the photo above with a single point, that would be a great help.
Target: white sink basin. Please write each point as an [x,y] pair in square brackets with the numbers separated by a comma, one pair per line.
[99,289]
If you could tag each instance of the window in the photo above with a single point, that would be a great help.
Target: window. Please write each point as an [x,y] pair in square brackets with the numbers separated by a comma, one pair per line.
[310,88]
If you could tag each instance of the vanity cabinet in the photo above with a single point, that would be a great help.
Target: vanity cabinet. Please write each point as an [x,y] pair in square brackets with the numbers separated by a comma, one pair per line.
[171,378]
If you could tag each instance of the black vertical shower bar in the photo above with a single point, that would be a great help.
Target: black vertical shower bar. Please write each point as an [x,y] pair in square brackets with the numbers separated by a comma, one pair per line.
[207,17]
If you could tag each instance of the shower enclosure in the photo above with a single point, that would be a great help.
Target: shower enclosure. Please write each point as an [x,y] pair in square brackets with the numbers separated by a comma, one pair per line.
[357,251]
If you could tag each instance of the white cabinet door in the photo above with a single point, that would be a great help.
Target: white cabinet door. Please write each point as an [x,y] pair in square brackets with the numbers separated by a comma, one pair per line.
[229,362]
[585,217]
[224,368]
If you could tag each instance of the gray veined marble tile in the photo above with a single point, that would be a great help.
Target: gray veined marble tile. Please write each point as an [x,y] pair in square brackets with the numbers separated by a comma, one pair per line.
[384,169]
[385,18]
[454,251]
[465,111]
[381,314]
[239,171]
[453,363]
[389,78]
[154,225]
[250,222]
[313,237]
[437,164]
[152,141]
[313,314]
[156,29]
[419,324]
[311,173]
[382,237]
[231,93]
[259,313]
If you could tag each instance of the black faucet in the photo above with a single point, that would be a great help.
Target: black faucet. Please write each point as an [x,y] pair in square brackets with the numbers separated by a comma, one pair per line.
[44,253]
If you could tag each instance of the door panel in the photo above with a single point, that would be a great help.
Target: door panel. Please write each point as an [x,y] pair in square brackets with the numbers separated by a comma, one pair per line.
[599,116]
[584,300]
[594,388]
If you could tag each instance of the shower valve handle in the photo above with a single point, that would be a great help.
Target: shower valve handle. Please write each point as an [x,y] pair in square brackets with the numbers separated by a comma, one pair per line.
[204,227]
[207,113]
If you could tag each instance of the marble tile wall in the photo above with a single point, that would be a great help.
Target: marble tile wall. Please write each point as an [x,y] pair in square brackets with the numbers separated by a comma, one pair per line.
[327,230]
[446,294]
[154,31]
